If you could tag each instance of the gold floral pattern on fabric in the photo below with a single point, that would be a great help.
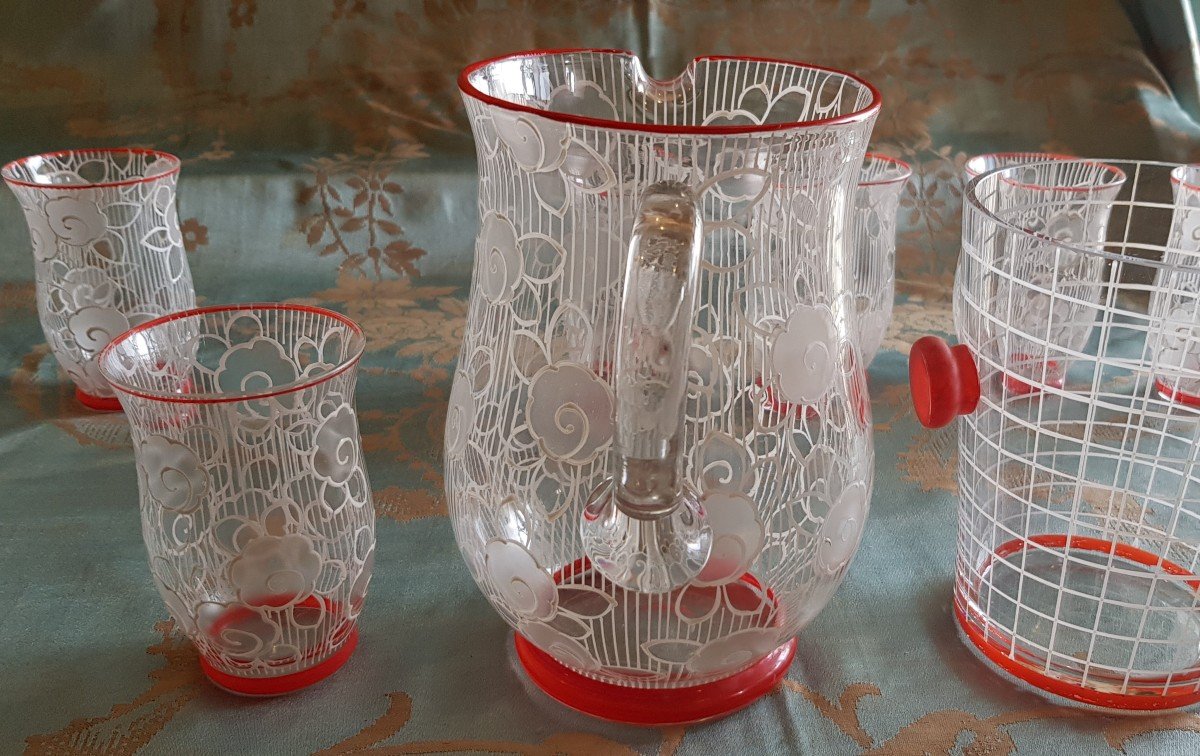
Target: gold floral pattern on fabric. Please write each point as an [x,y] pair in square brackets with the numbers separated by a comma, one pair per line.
[130,726]
[195,234]
[358,198]
[406,505]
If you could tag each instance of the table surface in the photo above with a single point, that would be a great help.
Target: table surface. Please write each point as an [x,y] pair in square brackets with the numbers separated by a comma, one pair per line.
[280,117]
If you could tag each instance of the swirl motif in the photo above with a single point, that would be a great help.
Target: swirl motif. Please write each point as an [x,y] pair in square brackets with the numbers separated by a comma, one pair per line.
[75,220]
[734,651]
[502,264]
[570,412]
[86,287]
[460,416]
[838,537]
[275,571]
[93,327]
[536,144]
[335,446]
[41,235]
[255,365]
[522,584]
[738,537]
[175,476]
[559,645]
[804,355]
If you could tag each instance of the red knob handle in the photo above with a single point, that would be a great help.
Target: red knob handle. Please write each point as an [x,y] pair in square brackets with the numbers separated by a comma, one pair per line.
[943,380]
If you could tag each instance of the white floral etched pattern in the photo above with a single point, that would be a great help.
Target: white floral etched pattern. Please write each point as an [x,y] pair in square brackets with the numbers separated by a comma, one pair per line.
[570,412]
[335,456]
[524,585]
[460,416]
[738,537]
[559,645]
[536,144]
[93,327]
[256,365]
[804,356]
[501,259]
[76,219]
[175,477]
[734,651]
[275,570]
[842,528]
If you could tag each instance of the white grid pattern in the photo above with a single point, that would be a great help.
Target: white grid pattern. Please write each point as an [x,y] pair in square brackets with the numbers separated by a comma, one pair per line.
[1079,528]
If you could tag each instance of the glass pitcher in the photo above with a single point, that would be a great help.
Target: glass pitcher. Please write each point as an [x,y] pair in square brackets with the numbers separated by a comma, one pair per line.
[658,446]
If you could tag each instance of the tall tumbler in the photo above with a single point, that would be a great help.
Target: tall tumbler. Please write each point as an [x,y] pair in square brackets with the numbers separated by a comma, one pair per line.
[876,201]
[1173,297]
[107,250]
[1050,298]
[256,509]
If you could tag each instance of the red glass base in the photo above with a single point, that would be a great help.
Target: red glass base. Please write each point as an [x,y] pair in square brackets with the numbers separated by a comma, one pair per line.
[99,403]
[995,648]
[278,686]
[784,407]
[1182,397]
[281,684]
[1017,385]
[657,707]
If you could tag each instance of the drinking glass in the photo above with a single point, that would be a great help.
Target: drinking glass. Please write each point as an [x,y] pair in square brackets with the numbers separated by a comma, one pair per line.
[107,251]
[256,509]
[876,201]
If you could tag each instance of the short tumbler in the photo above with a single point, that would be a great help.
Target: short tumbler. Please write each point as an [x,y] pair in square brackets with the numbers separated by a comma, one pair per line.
[107,250]
[256,509]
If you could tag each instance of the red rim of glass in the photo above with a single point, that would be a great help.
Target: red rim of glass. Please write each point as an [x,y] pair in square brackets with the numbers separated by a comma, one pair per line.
[1178,173]
[1026,157]
[1118,175]
[991,644]
[1170,394]
[470,90]
[904,168]
[345,365]
[7,171]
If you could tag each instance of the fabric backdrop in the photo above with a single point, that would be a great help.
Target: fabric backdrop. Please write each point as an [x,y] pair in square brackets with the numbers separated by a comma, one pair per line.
[327,160]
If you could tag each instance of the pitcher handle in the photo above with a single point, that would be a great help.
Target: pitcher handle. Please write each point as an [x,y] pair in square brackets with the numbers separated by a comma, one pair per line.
[644,527]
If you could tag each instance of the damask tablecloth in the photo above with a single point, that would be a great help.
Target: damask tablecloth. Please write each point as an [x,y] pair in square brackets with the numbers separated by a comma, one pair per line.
[327,161]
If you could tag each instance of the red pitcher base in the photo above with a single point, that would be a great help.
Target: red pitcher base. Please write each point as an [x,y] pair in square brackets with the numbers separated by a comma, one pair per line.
[657,707]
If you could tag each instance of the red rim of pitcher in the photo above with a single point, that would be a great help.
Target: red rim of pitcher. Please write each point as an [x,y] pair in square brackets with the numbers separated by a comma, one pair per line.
[470,90]
[7,171]
[291,388]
